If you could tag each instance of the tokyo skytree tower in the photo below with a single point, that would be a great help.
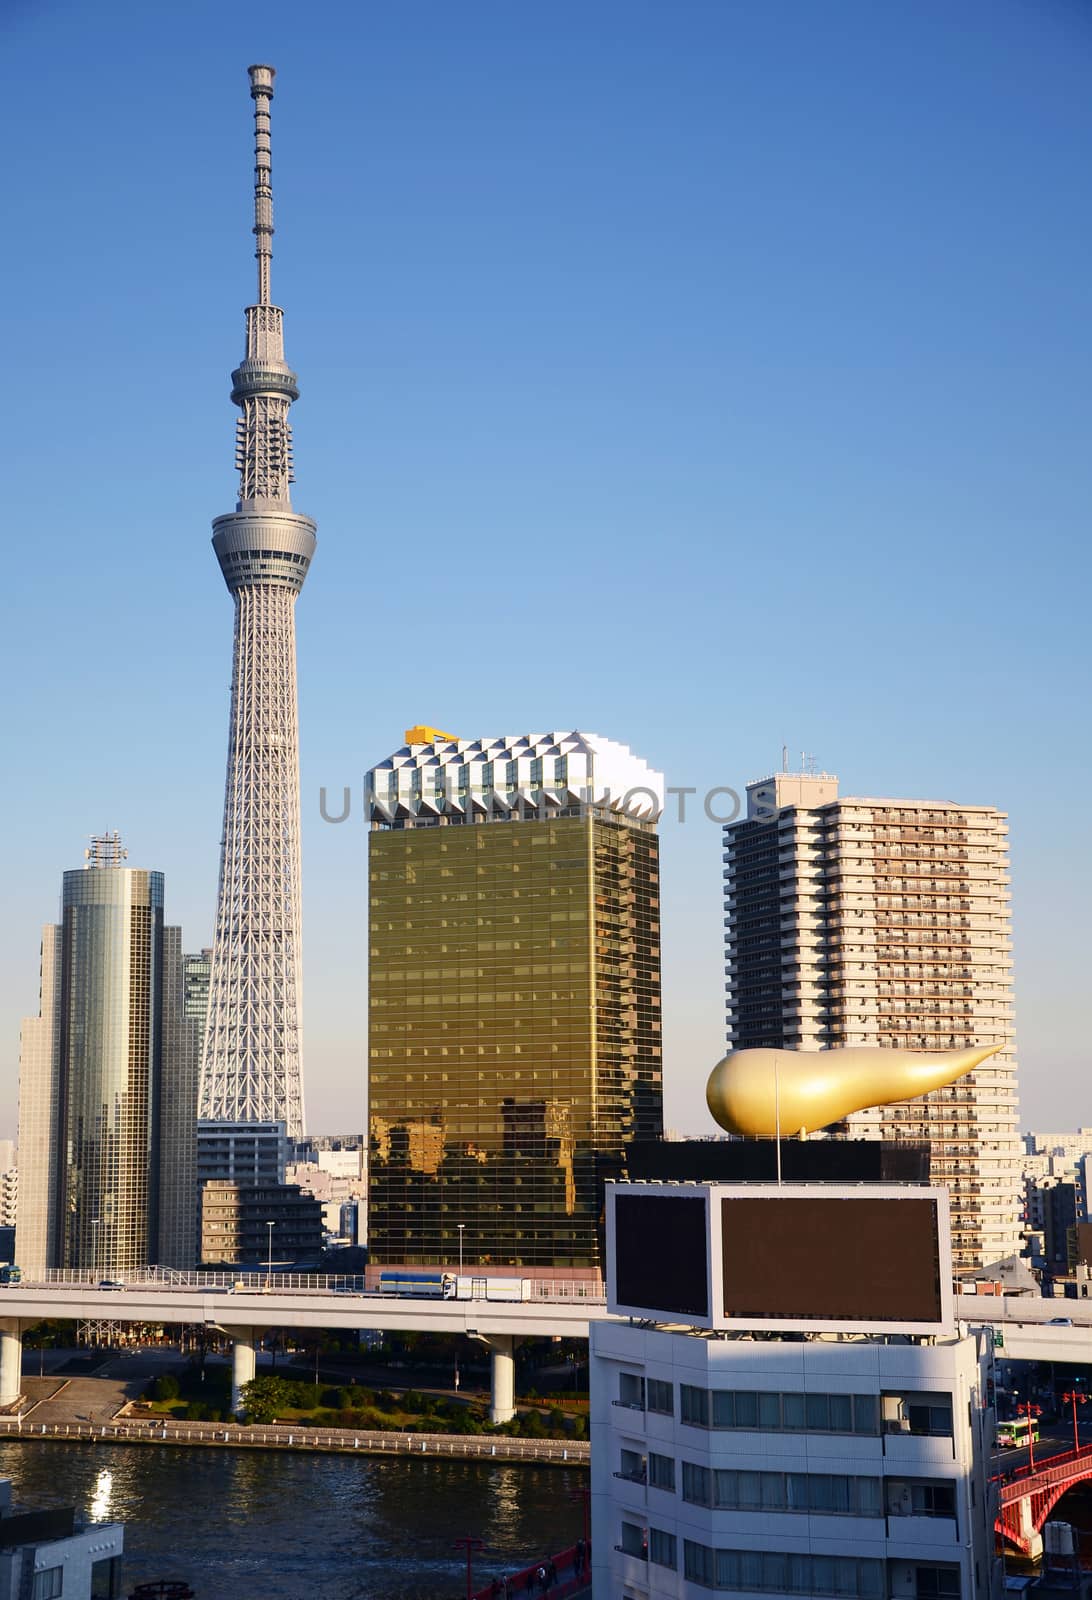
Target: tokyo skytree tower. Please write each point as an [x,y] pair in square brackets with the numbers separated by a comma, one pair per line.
[252,1064]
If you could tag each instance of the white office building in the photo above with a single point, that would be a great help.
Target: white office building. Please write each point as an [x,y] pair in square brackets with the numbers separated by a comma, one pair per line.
[44,1554]
[856,1467]
[749,1440]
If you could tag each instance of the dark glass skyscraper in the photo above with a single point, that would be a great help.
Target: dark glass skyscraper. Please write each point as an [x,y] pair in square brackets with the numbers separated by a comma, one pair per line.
[514,995]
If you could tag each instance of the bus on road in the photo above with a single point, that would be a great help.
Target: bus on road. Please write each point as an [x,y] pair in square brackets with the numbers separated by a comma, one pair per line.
[1016,1435]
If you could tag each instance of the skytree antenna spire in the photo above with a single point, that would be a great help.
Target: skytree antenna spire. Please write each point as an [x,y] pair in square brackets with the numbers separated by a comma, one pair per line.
[261,89]
[251,1070]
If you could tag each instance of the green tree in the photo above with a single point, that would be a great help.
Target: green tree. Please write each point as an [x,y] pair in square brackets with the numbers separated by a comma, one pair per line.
[166,1387]
[265,1398]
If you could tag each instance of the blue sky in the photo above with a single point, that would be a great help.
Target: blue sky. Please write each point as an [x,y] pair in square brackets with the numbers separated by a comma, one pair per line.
[711,375]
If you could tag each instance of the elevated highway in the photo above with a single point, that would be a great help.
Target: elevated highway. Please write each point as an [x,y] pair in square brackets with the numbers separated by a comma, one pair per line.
[245,1309]
[1030,1329]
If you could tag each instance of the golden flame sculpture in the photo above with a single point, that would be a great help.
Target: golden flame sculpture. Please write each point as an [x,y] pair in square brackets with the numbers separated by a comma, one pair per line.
[766,1093]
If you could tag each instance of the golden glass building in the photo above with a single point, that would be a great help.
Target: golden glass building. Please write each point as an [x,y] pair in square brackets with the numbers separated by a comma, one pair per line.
[514,991]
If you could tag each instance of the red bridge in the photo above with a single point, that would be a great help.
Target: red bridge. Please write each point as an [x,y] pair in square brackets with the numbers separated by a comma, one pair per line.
[1028,1497]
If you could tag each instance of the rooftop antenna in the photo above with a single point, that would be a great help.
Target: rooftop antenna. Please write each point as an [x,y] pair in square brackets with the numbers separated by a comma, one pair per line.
[810,764]
[105,850]
[784,758]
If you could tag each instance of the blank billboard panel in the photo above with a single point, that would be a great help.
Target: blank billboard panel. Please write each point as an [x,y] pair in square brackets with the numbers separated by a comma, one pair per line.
[661,1254]
[873,1259]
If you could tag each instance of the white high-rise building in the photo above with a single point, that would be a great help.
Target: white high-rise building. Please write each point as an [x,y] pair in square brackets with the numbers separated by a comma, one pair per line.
[862,921]
[821,1467]
[788,1410]
[252,1062]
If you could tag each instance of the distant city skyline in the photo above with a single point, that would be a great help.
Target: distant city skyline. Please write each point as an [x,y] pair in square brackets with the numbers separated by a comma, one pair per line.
[691,375]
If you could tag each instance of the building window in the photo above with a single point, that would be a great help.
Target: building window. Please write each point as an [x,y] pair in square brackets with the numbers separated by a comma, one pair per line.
[48,1583]
[828,1494]
[634,1541]
[661,1548]
[931,1583]
[631,1391]
[696,1484]
[694,1405]
[697,1563]
[661,1397]
[661,1472]
[926,1415]
[927,1498]
[846,1577]
[786,1413]
[631,1467]
[933,1499]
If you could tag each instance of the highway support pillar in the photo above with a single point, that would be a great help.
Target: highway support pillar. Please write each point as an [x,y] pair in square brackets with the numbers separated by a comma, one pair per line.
[502,1400]
[244,1364]
[11,1360]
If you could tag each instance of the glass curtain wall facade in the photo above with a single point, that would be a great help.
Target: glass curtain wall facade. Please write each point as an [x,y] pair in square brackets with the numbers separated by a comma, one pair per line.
[514,1032]
[111,1025]
[108,1082]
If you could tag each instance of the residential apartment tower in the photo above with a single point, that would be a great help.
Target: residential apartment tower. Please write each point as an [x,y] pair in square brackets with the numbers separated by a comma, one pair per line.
[886,922]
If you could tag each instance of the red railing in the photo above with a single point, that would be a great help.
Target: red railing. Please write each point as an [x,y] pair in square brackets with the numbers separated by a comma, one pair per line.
[1043,1487]
[526,1582]
[1045,1473]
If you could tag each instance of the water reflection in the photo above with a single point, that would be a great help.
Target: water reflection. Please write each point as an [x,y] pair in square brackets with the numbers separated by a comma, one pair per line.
[100,1502]
[251,1525]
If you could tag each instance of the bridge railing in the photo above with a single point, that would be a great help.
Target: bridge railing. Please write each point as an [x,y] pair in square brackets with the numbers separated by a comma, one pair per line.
[573,1291]
[1047,1471]
[567,1580]
[171,1278]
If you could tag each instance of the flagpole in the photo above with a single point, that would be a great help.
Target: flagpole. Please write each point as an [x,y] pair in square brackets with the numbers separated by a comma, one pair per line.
[777,1115]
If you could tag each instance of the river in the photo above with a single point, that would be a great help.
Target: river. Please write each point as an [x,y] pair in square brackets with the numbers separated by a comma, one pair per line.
[264,1525]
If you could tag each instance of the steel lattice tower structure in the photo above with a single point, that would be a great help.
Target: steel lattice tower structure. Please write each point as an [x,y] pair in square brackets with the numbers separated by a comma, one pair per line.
[252,1062]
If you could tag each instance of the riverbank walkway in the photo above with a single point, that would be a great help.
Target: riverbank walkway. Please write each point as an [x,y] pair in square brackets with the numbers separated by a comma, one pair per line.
[294,1436]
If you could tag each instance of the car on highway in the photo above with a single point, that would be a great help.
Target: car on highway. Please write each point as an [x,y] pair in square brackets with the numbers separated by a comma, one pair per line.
[1060,1322]
[111,1283]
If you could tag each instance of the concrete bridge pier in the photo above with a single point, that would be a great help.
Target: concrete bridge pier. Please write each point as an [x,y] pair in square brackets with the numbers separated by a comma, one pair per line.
[1030,1537]
[11,1360]
[502,1400]
[244,1364]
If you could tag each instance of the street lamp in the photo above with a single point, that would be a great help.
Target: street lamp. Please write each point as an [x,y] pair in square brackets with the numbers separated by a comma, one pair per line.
[1076,1399]
[462,1229]
[269,1270]
[471,1545]
[1028,1410]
